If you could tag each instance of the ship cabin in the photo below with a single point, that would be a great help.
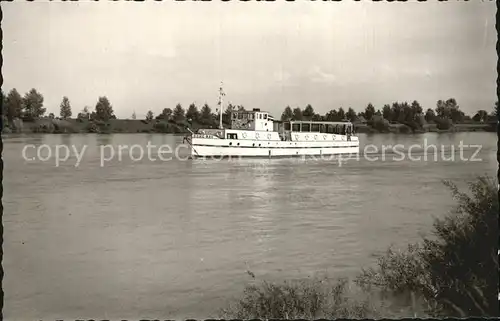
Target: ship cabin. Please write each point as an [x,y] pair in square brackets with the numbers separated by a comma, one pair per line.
[298,130]
[326,127]
[255,120]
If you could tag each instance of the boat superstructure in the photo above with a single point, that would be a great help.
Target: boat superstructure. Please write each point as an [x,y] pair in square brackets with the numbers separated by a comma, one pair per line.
[256,133]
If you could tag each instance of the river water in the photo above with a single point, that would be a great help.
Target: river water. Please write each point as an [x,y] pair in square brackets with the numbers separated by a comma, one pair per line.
[174,239]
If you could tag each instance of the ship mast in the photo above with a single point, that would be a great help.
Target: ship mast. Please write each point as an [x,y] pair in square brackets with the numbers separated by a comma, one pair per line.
[221,94]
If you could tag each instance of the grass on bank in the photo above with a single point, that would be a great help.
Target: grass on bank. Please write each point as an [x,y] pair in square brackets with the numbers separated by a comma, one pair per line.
[300,299]
[452,273]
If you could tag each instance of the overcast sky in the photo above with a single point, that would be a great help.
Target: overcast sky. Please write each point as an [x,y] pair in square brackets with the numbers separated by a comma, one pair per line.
[154,55]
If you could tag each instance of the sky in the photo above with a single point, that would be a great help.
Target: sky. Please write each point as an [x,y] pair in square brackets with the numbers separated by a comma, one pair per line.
[153,55]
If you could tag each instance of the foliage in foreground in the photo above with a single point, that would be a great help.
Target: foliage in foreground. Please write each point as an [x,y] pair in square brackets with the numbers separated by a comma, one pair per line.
[456,270]
[304,299]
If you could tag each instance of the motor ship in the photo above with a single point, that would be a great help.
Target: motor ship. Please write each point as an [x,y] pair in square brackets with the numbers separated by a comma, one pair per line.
[256,133]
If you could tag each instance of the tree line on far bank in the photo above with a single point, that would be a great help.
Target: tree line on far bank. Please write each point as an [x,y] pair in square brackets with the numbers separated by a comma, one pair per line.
[30,107]
[444,115]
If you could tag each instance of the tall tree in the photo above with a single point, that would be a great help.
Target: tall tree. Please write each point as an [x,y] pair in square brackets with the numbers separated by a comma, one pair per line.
[65,108]
[226,116]
[351,114]
[33,104]
[430,115]
[166,114]
[480,116]
[149,115]
[192,113]
[341,114]
[13,105]
[241,108]
[408,113]
[308,112]
[287,114]
[332,115]
[369,111]
[103,109]
[206,117]
[178,114]
[404,113]
[396,110]
[442,109]
[416,109]
[387,112]
[297,114]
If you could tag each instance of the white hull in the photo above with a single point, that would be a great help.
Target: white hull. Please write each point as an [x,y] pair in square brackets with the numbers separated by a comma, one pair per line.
[213,147]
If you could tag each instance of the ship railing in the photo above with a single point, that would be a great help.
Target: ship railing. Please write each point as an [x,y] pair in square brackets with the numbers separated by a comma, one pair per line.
[205,136]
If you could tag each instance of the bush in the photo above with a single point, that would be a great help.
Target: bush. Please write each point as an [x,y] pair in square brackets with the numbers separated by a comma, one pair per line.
[306,299]
[92,128]
[443,123]
[455,271]
[46,128]
[413,125]
[381,125]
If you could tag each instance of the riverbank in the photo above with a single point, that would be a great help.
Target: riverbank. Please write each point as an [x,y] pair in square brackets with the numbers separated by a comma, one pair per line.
[56,126]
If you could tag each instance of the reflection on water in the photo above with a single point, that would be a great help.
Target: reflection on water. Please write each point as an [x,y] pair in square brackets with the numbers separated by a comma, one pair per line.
[104,139]
[97,241]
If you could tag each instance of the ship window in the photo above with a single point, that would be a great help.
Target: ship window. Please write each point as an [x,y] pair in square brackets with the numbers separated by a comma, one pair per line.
[265,116]
[330,129]
[232,136]
[296,127]
[235,115]
[315,127]
[306,127]
[287,126]
[322,128]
